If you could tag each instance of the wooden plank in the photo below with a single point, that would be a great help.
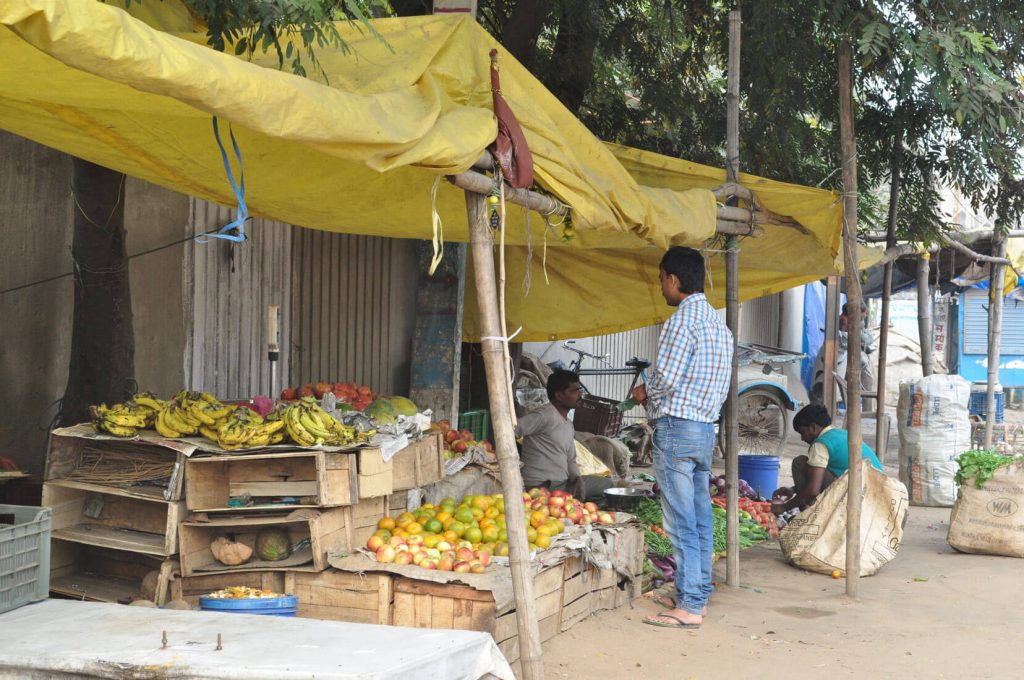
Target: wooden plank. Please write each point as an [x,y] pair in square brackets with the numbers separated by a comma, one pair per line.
[404,612]
[422,610]
[371,461]
[405,585]
[265,489]
[574,612]
[442,613]
[380,484]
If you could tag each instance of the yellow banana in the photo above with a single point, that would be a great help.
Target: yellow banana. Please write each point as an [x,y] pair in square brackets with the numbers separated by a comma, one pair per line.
[118,430]
[149,401]
[125,419]
[277,437]
[210,399]
[295,429]
[312,424]
[174,421]
[209,433]
[164,428]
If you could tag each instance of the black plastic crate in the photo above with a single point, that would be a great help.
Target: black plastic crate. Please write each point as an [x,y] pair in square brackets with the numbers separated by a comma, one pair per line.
[598,415]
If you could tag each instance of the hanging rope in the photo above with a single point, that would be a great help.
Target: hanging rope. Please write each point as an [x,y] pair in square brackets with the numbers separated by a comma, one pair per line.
[235,230]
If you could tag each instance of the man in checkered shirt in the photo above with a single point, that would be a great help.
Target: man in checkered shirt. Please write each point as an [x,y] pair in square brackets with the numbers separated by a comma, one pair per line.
[684,396]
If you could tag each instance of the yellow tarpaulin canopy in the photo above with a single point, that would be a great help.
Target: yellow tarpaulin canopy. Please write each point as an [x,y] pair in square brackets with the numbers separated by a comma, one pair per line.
[358,151]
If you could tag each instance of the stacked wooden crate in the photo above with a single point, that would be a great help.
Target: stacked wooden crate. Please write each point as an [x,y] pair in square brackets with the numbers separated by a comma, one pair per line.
[116,510]
[110,531]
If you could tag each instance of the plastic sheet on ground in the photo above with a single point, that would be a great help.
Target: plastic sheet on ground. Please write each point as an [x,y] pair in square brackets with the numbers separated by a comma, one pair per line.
[67,638]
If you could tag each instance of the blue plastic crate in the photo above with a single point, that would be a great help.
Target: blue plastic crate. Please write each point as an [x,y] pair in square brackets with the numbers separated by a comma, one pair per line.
[24,556]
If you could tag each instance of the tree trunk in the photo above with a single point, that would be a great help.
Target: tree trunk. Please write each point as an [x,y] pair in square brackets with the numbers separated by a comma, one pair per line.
[102,338]
[883,327]
[995,327]
[848,157]
[924,314]
[578,32]
[519,34]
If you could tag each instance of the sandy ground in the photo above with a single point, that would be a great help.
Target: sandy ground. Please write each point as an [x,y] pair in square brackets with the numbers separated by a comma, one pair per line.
[931,613]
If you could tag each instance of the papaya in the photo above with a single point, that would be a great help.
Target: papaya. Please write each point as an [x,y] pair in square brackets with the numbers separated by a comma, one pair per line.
[273,544]
[403,406]
[382,410]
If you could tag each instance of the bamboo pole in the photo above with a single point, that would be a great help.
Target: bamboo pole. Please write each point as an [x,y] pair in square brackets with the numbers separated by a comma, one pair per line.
[995,328]
[831,325]
[924,314]
[479,183]
[853,297]
[504,437]
[883,328]
[732,310]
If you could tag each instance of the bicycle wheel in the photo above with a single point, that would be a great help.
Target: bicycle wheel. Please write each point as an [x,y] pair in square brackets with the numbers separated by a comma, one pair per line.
[762,422]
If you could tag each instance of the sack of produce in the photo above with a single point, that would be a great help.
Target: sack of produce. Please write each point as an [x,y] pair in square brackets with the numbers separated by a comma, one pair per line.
[934,426]
[816,538]
[987,517]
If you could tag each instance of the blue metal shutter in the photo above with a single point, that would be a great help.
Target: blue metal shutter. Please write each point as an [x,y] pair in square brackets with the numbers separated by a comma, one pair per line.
[975,329]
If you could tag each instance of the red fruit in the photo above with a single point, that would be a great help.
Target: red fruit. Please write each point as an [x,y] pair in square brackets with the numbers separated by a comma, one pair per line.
[444,425]
[320,389]
[606,518]
[428,564]
[338,387]
[374,542]
[461,567]
[590,507]
[386,554]
[556,501]
[467,436]
[558,493]
[305,391]
[488,447]
[364,391]
[464,555]
[288,393]
[403,558]
[483,557]
[451,435]
[558,512]
[445,564]
[459,446]
[476,568]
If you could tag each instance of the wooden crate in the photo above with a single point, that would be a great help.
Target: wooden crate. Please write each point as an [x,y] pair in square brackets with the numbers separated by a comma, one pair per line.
[191,588]
[316,478]
[64,462]
[419,464]
[87,572]
[425,604]
[111,518]
[331,530]
[342,596]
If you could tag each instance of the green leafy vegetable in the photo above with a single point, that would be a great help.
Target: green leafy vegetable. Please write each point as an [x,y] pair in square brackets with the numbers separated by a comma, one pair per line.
[649,511]
[981,465]
[657,544]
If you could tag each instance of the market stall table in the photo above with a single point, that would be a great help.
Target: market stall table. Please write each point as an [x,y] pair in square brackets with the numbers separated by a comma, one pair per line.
[87,639]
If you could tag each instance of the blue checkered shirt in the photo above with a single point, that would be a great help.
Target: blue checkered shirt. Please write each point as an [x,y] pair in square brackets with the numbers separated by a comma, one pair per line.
[691,375]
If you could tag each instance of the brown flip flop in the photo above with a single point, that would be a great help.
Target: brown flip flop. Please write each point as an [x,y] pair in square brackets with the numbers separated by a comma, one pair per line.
[679,623]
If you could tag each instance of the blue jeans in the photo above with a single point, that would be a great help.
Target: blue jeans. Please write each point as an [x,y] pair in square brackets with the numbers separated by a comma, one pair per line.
[682,465]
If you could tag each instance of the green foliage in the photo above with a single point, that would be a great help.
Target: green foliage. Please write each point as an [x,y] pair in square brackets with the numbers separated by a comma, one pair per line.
[981,465]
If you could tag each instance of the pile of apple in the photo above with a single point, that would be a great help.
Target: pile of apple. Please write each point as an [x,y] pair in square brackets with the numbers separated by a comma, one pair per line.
[562,505]
[457,442]
[358,396]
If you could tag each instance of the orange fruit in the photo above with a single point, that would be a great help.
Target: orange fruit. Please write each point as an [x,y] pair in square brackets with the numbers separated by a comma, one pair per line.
[464,515]
[502,536]
[537,518]
[499,503]
[430,540]
[531,534]
[543,542]
[502,550]
[442,516]
[490,534]
[414,528]
[457,528]
[451,536]
[383,533]
[477,513]
[401,533]
[473,535]
[405,519]
[486,522]
[481,502]
[491,512]
[386,523]
[433,526]
[545,530]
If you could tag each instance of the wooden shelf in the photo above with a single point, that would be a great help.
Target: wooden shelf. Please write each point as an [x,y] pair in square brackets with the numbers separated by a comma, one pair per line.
[94,587]
[111,537]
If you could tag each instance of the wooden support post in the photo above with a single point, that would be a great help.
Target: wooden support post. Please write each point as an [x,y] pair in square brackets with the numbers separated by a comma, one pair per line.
[924,314]
[481,246]
[881,431]
[848,158]
[731,422]
[995,328]
[732,308]
[437,331]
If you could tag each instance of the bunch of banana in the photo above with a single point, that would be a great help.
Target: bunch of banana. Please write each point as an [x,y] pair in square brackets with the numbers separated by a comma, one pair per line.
[245,428]
[189,413]
[121,420]
[310,425]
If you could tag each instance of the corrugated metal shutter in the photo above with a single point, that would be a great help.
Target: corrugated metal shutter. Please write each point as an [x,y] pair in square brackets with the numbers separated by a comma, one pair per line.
[231,287]
[759,321]
[621,347]
[975,330]
[352,298]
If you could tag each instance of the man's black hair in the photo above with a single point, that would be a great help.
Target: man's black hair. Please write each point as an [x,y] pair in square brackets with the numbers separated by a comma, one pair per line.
[688,266]
[814,414]
[560,380]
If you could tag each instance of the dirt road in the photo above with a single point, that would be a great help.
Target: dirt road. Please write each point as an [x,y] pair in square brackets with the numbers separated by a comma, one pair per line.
[931,613]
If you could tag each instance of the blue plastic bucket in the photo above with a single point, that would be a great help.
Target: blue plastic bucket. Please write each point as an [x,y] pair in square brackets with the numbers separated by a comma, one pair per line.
[267,606]
[761,473]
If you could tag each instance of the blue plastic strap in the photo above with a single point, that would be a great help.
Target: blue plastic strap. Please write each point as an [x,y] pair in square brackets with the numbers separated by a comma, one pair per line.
[238,225]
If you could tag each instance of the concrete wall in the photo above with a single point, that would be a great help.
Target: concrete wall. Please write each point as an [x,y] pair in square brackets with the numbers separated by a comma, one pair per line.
[36,212]
[35,328]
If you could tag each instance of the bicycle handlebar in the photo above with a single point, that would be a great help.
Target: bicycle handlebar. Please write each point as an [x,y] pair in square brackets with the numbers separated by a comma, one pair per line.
[582,353]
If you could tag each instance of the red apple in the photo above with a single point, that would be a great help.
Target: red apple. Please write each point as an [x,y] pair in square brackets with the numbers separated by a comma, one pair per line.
[606,518]
[556,501]
[374,542]
[396,541]
[467,436]
[451,435]
[445,564]
[459,446]
[476,567]
[558,513]
[527,498]
[428,564]
[483,557]
[558,493]
[488,447]
[576,516]
[385,554]
[538,504]
[591,507]
[444,425]
[461,567]
[305,391]
[415,539]
[464,555]
[403,558]
[288,393]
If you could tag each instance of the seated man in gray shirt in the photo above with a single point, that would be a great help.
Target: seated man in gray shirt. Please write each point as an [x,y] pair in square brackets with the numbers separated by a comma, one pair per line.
[549,449]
